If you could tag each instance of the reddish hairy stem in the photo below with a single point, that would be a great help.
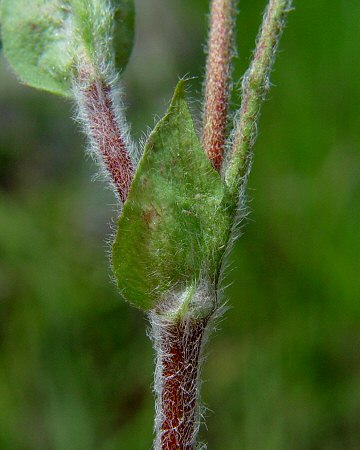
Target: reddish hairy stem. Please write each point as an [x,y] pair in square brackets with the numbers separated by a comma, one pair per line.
[218,72]
[107,137]
[179,348]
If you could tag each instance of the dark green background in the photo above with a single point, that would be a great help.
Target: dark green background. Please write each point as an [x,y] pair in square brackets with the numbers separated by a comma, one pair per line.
[283,371]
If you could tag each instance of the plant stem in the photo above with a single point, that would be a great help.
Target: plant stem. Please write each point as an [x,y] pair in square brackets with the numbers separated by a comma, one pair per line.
[106,132]
[254,87]
[178,344]
[218,76]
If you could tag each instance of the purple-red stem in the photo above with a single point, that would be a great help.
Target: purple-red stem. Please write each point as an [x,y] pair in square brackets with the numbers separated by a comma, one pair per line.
[179,350]
[107,136]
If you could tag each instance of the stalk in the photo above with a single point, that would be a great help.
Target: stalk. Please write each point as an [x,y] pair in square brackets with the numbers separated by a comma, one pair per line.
[255,85]
[101,117]
[218,79]
[178,344]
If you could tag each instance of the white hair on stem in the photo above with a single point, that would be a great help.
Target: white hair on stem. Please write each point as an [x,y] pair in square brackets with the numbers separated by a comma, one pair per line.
[101,114]
[179,345]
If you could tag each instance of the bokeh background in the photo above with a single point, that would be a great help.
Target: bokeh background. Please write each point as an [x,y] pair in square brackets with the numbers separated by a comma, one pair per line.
[283,371]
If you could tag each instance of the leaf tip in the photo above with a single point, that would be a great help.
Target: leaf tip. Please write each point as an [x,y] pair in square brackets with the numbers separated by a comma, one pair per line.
[179,92]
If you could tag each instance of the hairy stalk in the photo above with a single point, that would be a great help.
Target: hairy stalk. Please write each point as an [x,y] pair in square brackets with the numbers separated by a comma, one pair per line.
[178,344]
[218,78]
[254,88]
[100,115]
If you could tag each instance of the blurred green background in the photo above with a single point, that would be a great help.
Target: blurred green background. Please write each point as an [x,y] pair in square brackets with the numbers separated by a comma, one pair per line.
[283,371]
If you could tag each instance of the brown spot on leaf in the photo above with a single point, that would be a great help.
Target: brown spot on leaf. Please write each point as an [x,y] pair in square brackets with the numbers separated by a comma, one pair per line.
[150,215]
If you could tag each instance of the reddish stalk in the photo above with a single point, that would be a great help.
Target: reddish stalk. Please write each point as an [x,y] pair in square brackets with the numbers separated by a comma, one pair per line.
[179,348]
[106,135]
[218,77]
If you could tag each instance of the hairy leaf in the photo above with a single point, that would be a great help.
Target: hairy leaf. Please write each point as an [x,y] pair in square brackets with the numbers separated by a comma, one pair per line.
[43,39]
[175,225]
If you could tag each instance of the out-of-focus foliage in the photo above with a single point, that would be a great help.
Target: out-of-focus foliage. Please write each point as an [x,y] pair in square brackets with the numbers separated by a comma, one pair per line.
[284,370]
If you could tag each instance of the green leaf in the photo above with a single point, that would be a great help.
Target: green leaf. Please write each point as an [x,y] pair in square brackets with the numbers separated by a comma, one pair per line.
[44,39]
[174,226]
